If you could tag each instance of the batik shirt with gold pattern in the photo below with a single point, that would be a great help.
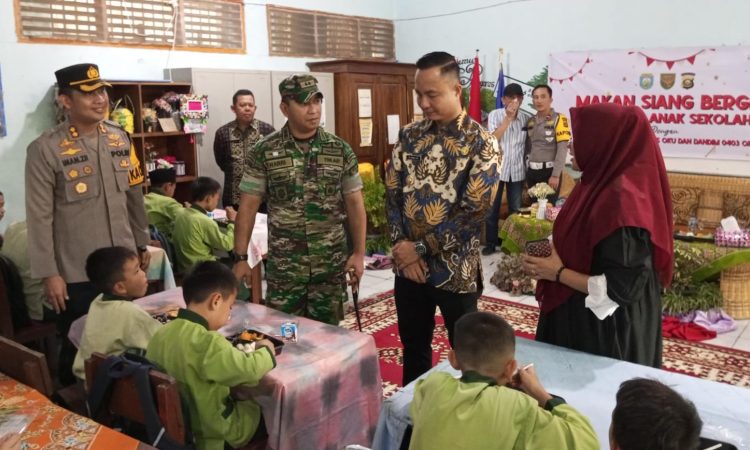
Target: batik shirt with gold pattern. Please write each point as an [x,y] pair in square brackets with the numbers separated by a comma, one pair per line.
[440,183]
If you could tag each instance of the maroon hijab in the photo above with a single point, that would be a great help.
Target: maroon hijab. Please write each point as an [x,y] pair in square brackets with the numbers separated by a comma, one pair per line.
[624,184]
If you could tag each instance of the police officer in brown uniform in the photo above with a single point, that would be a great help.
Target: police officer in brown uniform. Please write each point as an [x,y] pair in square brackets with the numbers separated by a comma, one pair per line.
[83,192]
[546,141]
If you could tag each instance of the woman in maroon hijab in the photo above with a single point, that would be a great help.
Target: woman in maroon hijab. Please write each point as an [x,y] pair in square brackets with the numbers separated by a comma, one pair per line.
[600,291]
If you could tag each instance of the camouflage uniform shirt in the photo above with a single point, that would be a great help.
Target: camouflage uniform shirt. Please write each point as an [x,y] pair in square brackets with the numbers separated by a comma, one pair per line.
[304,186]
[439,185]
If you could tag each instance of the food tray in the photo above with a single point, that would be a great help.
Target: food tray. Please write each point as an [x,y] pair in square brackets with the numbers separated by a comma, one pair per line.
[237,339]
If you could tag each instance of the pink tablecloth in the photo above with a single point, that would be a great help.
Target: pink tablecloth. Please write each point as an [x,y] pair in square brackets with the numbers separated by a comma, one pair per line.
[326,390]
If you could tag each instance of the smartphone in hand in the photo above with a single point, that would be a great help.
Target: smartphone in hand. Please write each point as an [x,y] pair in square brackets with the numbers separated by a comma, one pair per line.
[541,248]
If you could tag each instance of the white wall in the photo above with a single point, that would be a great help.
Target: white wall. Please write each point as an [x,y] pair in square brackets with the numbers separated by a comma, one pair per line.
[28,75]
[530,30]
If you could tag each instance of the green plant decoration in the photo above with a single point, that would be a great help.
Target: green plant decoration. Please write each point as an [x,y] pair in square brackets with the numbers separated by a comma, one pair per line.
[685,295]
[373,192]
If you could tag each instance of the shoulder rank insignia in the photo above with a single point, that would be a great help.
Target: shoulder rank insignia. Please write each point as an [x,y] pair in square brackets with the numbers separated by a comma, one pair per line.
[70,152]
[73,131]
[82,187]
[73,173]
[102,128]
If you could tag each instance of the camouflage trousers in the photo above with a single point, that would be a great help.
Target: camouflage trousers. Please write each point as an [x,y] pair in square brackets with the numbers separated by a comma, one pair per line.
[319,297]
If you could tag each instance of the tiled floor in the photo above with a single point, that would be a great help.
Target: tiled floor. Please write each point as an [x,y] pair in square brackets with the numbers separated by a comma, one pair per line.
[376,281]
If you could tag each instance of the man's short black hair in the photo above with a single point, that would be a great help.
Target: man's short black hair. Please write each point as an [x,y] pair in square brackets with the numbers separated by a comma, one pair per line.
[542,86]
[106,266]
[482,338]
[650,415]
[208,277]
[445,61]
[240,93]
[202,187]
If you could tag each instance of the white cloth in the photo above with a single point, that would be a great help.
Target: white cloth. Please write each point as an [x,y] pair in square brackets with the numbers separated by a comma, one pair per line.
[258,245]
[597,301]
[512,143]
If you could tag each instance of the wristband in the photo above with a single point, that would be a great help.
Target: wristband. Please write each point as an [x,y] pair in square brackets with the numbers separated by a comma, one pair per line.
[559,271]
[238,258]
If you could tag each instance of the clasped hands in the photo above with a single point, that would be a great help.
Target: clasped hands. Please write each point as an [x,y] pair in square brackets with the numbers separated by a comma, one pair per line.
[410,265]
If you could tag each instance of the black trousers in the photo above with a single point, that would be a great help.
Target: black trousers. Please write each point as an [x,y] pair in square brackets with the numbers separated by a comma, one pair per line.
[415,307]
[534,176]
[80,297]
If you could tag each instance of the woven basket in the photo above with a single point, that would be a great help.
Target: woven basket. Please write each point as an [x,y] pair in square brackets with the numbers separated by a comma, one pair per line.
[735,289]
[710,204]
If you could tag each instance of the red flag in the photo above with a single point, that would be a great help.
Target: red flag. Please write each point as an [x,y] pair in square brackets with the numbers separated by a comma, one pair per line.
[475,97]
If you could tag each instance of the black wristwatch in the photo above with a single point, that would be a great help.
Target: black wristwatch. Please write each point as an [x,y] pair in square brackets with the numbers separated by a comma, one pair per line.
[142,248]
[238,258]
[420,248]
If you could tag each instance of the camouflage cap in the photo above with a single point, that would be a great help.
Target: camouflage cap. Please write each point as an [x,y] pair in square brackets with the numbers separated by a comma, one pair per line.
[302,88]
[84,77]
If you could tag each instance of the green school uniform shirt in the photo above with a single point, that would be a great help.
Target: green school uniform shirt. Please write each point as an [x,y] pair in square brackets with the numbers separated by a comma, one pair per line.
[195,236]
[475,413]
[113,325]
[161,211]
[206,365]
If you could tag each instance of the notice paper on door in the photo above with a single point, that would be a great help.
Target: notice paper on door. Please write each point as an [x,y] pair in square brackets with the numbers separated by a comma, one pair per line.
[364,97]
[394,123]
[365,132]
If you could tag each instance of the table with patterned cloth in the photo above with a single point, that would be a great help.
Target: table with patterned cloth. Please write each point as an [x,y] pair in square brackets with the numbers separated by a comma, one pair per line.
[160,269]
[518,229]
[326,390]
[55,428]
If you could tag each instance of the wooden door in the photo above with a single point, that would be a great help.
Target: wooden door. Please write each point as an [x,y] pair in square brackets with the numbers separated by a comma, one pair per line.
[389,98]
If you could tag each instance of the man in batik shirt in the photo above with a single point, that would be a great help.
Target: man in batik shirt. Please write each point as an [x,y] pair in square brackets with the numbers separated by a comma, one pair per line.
[232,142]
[440,183]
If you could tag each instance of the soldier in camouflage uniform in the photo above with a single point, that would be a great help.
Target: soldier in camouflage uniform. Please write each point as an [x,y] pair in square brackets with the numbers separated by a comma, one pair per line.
[311,182]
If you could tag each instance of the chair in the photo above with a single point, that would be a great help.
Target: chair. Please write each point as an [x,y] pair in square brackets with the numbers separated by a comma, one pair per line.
[124,399]
[44,333]
[25,365]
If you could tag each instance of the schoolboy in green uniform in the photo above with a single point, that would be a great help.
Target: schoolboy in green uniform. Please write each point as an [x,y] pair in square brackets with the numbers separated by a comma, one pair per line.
[114,323]
[480,411]
[195,235]
[161,206]
[206,365]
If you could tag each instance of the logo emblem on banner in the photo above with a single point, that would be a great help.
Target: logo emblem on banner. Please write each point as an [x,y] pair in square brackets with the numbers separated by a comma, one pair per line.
[688,80]
[667,80]
[647,80]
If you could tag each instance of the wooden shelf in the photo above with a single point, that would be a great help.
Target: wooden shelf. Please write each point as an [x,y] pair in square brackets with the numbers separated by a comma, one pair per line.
[178,144]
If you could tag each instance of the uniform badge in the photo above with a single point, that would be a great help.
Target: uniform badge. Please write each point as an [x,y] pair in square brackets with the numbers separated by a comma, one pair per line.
[82,187]
[102,128]
[88,170]
[548,132]
[73,173]
[124,163]
[117,143]
[113,137]
[92,73]
[65,143]
[70,152]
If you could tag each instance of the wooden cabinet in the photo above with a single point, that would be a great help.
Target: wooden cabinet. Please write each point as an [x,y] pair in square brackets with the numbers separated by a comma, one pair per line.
[176,143]
[391,87]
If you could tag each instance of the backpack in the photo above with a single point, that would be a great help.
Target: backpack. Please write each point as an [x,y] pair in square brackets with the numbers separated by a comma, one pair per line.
[125,365]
